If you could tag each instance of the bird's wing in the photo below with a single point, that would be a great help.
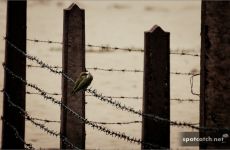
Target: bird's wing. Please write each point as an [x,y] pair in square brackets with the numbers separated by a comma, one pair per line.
[76,84]
[84,84]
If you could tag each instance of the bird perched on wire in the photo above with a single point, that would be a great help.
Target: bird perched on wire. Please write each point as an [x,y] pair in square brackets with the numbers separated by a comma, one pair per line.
[82,82]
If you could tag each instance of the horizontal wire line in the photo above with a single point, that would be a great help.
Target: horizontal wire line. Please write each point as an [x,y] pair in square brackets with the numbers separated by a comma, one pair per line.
[106,48]
[122,97]
[44,41]
[119,105]
[112,70]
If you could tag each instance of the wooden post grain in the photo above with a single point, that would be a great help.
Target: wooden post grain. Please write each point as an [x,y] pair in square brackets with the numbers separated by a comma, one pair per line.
[215,71]
[73,64]
[156,87]
[16,62]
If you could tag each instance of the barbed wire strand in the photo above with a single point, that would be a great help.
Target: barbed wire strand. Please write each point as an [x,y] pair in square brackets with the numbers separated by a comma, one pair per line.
[123,97]
[36,93]
[45,120]
[110,48]
[117,123]
[184,100]
[41,126]
[97,122]
[129,109]
[17,135]
[119,97]
[86,121]
[112,70]
[41,63]
[44,41]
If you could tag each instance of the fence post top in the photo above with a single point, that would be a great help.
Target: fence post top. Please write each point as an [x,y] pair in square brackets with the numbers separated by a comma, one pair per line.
[156,29]
[73,6]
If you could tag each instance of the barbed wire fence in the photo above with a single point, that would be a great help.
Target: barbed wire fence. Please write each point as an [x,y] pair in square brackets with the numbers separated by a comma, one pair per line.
[94,125]
[155,113]
[94,93]
[112,49]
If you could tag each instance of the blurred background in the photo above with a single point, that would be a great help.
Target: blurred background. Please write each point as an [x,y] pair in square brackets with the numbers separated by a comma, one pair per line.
[114,23]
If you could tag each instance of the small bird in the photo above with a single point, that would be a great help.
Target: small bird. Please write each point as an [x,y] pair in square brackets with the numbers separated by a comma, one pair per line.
[82,82]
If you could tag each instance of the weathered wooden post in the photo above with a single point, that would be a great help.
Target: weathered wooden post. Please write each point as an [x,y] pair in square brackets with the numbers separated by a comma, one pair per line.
[73,64]
[215,71]
[15,61]
[156,87]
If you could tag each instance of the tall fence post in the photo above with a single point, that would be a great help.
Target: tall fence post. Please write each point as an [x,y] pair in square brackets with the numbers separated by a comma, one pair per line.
[15,61]
[73,62]
[215,71]
[156,98]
